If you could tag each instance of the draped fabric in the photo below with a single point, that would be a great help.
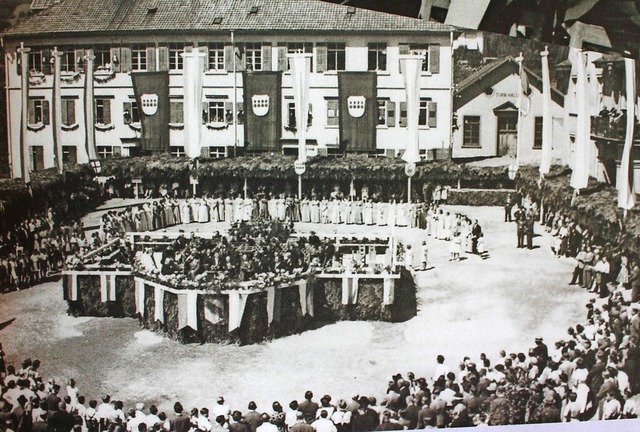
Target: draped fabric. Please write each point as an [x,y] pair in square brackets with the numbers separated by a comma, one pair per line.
[57,112]
[237,304]
[547,120]
[358,133]
[274,304]
[213,309]
[388,291]
[158,301]
[349,290]
[112,287]
[155,126]
[89,107]
[70,287]
[411,66]
[139,296]
[580,174]
[188,310]
[305,289]
[192,105]
[626,192]
[262,130]
[104,290]
[300,65]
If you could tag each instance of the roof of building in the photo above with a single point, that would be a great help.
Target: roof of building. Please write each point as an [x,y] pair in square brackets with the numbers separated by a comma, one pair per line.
[117,16]
[491,74]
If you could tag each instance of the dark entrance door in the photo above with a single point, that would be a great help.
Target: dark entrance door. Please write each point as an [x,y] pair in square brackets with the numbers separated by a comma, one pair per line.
[507,133]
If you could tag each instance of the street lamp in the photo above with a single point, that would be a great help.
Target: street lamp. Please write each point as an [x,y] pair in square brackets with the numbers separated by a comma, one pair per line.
[96,166]
[513,171]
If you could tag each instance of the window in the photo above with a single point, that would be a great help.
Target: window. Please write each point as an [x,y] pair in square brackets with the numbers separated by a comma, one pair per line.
[178,151]
[291,116]
[68,60]
[68,112]
[38,111]
[105,152]
[471,131]
[423,50]
[377,57]
[254,56]
[103,111]
[130,112]
[336,57]
[36,61]
[217,152]
[428,115]
[175,56]
[176,112]
[537,137]
[382,112]
[213,112]
[37,158]
[69,155]
[138,57]
[299,47]
[102,55]
[216,56]
[333,112]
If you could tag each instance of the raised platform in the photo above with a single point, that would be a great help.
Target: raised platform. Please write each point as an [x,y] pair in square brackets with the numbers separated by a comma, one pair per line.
[245,315]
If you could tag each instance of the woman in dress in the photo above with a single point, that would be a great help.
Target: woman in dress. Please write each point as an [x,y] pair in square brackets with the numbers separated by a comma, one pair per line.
[381,214]
[305,210]
[324,211]
[392,213]
[314,210]
[203,211]
[185,212]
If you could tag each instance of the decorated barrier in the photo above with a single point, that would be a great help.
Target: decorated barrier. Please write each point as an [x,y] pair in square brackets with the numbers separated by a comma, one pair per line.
[245,315]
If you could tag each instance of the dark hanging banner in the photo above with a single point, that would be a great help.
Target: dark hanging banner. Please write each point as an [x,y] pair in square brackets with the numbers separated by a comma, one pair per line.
[263,114]
[152,95]
[358,110]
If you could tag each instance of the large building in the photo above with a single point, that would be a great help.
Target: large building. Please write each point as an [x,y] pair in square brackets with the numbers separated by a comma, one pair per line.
[123,83]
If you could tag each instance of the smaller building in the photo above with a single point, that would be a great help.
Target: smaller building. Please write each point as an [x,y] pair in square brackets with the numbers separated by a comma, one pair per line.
[486,116]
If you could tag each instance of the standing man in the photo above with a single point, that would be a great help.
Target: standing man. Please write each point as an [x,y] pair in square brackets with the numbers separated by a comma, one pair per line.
[634,280]
[508,205]
[476,231]
[530,221]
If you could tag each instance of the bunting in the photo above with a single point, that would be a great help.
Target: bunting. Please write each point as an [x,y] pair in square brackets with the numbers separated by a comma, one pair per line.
[388,291]
[349,290]
[70,287]
[24,117]
[626,192]
[104,290]
[305,290]
[139,296]
[112,287]
[158,303]
[411,66]
[213,309]
[274,304]
[237,304]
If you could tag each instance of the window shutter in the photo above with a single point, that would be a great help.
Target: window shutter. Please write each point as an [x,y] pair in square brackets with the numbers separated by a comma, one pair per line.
[204,152]
[310,116]
[115,53]
[32,112]
[127,114]
[64,113]
[434,59]
[163,58]
[391,114]
[321,56]
[117,151]
[107,111]
[79,56]
[241,58]
[228,58]
[125,59]
[45,112]
[71,112]
[433,114]
[46,61]
[205,112]
[151,59]
[240,113]
[403,49]
[228,112]
[403,114]
[282,58]
[267,64]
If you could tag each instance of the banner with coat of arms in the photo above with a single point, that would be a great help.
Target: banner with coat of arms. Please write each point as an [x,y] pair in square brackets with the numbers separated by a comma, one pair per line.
[263,119]
[357,97]
[152,96]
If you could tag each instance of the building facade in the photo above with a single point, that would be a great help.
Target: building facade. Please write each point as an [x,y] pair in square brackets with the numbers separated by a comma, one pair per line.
[486,116]
[122,81]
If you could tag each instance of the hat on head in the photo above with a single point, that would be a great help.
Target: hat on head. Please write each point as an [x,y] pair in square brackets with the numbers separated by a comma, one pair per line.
[139,406]
[538,339]
[363,400]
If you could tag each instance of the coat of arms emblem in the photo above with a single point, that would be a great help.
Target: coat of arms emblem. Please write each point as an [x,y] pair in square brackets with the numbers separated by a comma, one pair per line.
[260,104]
[356,105]
[149,104]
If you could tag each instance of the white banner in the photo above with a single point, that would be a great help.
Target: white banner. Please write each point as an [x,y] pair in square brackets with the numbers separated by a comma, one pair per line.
[193,67]
[411,66]
[300,63]
[547,120]
[580,175]
[626,192]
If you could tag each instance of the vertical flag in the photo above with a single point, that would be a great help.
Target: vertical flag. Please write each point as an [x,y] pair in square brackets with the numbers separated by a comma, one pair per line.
[57,110]
[300,65]
[580,174]
[192,85]
[626,192]
[24,118]
[523,104]
[545,158]
[89,102]
[411,66]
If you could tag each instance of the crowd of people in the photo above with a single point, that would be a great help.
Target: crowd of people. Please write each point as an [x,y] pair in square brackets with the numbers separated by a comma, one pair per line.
[36,249]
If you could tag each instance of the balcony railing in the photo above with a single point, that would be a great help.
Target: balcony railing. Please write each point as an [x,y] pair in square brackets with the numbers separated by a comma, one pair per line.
[612,127]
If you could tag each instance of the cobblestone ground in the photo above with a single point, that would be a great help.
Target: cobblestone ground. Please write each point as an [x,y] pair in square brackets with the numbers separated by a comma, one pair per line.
[465,308]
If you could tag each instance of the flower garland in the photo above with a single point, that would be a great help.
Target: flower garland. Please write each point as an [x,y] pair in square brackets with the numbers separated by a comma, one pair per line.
[36,78]
[217,126]
[104,127]
[70,77]
[103,76]
[70,127]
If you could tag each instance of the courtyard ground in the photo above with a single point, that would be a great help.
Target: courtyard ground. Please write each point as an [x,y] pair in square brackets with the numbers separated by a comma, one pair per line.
[464,308]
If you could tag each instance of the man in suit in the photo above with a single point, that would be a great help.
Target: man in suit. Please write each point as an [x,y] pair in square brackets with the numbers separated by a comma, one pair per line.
[476,231]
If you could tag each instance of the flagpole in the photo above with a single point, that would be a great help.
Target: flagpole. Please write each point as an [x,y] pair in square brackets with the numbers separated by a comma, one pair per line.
[519,59]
